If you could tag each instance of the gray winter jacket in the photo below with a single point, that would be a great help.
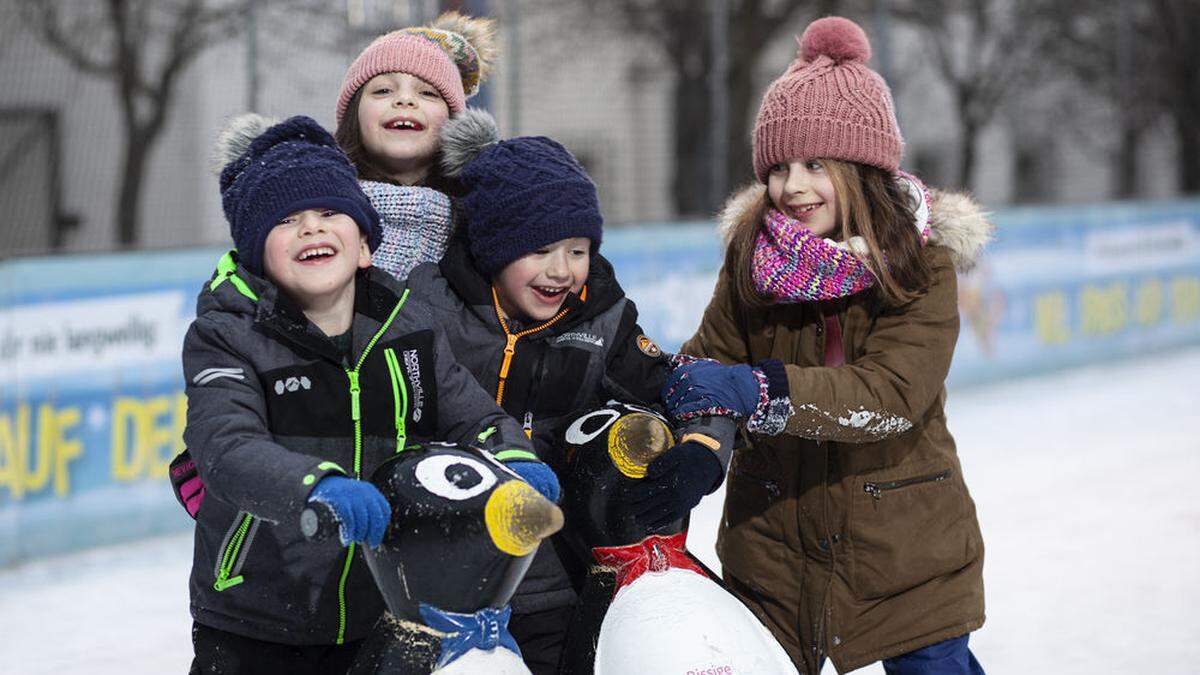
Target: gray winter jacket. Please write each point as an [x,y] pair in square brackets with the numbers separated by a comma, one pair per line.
[273,407]
[594,353]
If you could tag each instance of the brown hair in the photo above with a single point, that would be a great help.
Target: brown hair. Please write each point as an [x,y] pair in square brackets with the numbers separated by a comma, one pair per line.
[349,136]
[871,205]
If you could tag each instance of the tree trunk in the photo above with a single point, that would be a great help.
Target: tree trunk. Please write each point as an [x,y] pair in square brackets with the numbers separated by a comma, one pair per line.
[966,156]
[1125,173]
[743,106]
[690,188]
[1189,154]
[137,149]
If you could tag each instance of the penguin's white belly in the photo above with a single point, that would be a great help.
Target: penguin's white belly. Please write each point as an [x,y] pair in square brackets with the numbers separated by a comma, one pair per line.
[680,623]
[498,661]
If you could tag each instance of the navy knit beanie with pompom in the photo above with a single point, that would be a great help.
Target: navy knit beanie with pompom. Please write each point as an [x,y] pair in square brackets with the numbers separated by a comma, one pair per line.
[520,194]
[270,170]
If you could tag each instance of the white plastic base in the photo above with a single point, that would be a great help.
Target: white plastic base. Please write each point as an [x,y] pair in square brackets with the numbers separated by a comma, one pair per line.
[680,623]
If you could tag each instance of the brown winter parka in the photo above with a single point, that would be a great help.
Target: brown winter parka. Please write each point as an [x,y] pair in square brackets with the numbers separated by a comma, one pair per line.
[852,534]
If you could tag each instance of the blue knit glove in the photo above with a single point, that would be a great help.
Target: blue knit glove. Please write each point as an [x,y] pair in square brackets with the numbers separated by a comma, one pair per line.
[538,475]
[674,484]
[713,388]
[362,512]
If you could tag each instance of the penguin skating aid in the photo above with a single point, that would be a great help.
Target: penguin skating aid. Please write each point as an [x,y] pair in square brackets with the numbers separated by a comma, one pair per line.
[463,532]
[667,614]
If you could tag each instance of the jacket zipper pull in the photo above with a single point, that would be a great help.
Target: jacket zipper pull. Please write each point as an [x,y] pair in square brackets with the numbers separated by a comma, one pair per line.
[528,425]
[509,349]
[355,411]
[873,490]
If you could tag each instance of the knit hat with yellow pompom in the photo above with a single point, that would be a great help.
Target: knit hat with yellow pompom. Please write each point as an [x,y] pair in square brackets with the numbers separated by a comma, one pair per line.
[454,54]
[828,104]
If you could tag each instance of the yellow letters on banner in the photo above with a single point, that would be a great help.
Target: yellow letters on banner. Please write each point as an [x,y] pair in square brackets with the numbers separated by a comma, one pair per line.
[1148,305]
[1185,299]
[23,472]
[1104,309]
[146,435]
[1050,318]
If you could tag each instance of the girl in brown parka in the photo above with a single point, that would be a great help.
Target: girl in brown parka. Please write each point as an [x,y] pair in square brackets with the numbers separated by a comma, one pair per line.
[848,528]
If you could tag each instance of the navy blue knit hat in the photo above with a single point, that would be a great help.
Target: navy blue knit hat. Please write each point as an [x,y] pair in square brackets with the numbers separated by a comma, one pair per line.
[270,170]
[520,194]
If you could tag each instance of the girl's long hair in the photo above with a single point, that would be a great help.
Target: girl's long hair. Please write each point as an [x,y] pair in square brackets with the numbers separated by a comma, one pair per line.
[349,136]
[871,205]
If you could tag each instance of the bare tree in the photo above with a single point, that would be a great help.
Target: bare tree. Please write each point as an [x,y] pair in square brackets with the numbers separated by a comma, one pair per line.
[1174,25]
[984,51]
[143,47]
[681,31]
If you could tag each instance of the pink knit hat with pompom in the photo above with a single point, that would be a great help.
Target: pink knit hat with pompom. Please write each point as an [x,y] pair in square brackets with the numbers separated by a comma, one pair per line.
[828,104]
[454,54]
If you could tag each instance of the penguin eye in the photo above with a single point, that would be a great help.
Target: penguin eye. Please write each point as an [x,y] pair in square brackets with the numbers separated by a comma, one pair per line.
[454,477]
[590,426]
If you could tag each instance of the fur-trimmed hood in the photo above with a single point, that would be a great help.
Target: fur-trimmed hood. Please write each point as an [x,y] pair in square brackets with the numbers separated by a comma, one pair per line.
[958,222]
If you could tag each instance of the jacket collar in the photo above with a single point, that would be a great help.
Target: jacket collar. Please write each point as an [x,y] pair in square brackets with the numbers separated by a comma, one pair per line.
[475,290]
[235,289]
[958,222]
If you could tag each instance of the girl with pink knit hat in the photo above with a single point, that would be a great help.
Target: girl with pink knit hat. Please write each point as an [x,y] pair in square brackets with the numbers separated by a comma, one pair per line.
[394,99]
[848,527]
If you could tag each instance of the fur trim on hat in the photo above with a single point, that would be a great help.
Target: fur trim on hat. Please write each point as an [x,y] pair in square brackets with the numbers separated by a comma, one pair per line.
[480,33]
[959,223]
[236,136]
[464,137]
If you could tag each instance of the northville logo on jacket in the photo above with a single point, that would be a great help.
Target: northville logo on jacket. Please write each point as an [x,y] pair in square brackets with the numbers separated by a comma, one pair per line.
[413,366]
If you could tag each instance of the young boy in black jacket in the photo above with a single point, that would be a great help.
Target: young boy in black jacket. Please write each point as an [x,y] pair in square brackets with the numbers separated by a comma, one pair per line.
[306,368]
[536,314]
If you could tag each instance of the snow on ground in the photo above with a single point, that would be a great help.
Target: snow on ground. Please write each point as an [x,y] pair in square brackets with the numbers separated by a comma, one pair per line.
[1083,481]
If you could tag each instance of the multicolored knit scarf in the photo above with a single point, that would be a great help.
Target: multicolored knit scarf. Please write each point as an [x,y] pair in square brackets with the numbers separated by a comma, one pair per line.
[791,264]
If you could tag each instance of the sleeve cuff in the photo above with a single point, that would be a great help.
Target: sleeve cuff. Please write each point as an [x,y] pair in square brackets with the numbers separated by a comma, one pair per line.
[775,404]
[516,455]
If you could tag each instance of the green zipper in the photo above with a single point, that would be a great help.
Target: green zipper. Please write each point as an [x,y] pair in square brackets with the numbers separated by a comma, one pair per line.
[231,555]
[356,416]
[399,397]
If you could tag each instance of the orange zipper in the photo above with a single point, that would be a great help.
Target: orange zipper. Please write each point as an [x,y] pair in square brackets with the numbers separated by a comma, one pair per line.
[510,346]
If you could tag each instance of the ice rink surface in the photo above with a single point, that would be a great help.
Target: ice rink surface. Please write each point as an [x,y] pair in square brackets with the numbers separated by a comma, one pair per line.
[1085,482]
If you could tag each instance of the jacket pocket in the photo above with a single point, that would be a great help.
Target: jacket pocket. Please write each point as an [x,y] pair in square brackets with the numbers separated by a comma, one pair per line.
[908,526]
[234,548]
[750,537]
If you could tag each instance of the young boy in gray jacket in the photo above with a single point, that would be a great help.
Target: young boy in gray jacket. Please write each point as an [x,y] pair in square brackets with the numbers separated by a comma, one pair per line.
[306,368]
[533,310]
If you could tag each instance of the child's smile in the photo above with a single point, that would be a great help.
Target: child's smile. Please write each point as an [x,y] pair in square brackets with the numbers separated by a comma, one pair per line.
[803,190]
[400,117]
[313,254]
[534,286]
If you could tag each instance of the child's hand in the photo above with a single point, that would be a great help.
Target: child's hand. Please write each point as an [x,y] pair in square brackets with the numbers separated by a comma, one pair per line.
[362,512]
[712,388]
[674,484]
[539,476]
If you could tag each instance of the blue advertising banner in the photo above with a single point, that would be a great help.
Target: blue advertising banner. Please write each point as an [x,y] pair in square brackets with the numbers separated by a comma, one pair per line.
[91,390]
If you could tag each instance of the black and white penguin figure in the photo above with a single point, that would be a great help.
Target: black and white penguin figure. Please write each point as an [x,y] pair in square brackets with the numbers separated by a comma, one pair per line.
[463,532]
[667,614]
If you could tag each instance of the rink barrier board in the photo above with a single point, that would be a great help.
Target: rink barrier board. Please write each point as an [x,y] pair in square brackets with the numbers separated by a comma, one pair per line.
[91,397]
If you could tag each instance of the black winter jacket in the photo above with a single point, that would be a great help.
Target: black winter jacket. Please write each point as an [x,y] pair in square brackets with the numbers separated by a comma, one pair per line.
[273,407]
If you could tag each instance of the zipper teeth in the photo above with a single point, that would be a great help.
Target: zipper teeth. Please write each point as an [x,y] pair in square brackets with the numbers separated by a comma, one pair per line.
[399,396]
[232,548]
[875,488]
[516,336]
[341,636]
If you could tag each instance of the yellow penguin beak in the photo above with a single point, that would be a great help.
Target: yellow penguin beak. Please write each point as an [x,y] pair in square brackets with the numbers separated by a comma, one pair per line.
[635,440]
[518,517]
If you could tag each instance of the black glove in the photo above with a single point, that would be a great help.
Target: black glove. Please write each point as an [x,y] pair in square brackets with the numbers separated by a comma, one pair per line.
[674,484]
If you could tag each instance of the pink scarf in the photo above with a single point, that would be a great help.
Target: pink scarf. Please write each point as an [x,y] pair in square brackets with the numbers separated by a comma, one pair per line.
[791,264]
